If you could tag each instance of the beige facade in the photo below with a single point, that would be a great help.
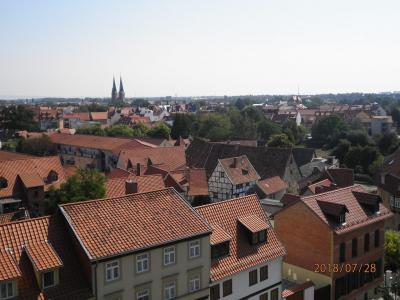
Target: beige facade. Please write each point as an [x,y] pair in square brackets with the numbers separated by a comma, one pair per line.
[182,275]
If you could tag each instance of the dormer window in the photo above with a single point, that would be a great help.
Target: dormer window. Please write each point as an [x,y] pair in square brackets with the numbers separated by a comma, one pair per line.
[7,290]
[220,250]
[368,202]
[334,212]
[3,183]
[342,219]
[220,241]
[48,279]
[255,228]
[52,177]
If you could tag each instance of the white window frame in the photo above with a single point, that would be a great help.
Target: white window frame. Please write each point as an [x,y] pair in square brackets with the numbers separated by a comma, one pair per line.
[140,295]
[7,285]
[169,255]
[112,266]
[194,245]
[54,280]
[170,290]
[141,260]
[194,283]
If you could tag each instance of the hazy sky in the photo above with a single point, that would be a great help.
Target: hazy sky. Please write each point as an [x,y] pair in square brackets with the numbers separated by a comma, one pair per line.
[205,47]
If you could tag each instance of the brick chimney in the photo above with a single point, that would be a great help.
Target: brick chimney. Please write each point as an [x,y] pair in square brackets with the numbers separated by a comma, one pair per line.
[138,169]
[234,162]
[131,186]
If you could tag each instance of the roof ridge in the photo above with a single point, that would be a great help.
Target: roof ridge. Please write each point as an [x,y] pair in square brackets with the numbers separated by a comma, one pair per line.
[228,200]
[25,220]
[333,191]
[123,196]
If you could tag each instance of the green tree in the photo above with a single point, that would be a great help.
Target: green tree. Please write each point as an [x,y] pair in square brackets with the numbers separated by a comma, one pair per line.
[119,130]
[182,126]
[357,137]
[267,128]
[368,157]
[395,113]
[215,127]
[296,134]
[161,130]
[17,117]
[279,140]
[91,130]
[327,131]
[86,184]
[341,149]
[392,249]
[40,146]
[387,143]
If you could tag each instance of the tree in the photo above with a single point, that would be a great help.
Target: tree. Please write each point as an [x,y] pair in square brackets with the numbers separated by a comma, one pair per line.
[279,140]
[161,130]
[182,126]
[357,137]
[40,146]
[17,117]
[367,157]
[215,127]
[268,128]
[119,130]
[327,131]
[86,184]
[296,134]
[395,112]
[341,149]
[387,143]
[392,249]
[92,130]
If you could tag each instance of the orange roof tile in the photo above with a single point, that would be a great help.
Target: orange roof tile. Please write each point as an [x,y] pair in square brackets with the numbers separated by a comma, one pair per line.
[253,223]
[219,235]
[198,185]
[239,169]
[171,157]
[101,115]
[243,255]
[8,155]
[8,268]
[116,187]
[143,220]
[347,197]
[43,256]
[31,180]
[40,166]
[15,235]
[296,288]
[326,183]
[271,185]
[95,142]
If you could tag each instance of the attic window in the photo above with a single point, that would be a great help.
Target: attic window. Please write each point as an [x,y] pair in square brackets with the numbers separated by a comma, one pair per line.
[52,177]
[256,229]
[245,172]
[3,183]
[369,202]
[48,279]
[334,212]
[220,250]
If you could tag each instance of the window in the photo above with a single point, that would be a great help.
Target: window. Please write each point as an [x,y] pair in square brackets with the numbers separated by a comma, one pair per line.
[258,237]
[342,218]
[214,292]
[354,246]
[264,296]
[170,290]
[194,249]
[169,256]
[3,183]
[263,273]
[342,254]
[143,295]
[215,195]
[252,277]
[376,238]
[142,263]
[35,193]
[366,242]
[112,270]
[219,250]
[227,287]
[239,186]
[194,284]
[275,294]
[222,174]
[6,290]
[48,279]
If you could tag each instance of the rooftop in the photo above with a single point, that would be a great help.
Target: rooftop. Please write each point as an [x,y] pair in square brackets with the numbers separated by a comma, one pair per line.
[239,169]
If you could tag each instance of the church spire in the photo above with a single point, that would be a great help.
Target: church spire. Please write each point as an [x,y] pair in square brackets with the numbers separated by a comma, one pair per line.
[121,93]
[114,91]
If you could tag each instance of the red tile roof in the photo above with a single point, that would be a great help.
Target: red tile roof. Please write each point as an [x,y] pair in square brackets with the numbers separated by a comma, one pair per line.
[31,170]
[31,180]
[116,187]
[113,226]
[243,255]
[8,267]
[99,115]
[253,223]
[326,183]
[8,155]
[95,142]
[198,185]
[84,116]
[296,288]
[356,215]
[341,176]
[219,235]
[16,235]
[271,185]
[171,158]
[43,256]
[239,169]
[118,173]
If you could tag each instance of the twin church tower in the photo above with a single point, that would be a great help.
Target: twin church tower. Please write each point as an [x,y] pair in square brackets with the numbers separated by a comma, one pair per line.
[120,96]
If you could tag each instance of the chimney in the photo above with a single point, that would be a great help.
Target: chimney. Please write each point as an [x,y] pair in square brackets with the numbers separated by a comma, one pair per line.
[138,169]
[131,187]
[234,162]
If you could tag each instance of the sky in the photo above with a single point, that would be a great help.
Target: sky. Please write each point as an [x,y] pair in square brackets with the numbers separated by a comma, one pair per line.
[72,48]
